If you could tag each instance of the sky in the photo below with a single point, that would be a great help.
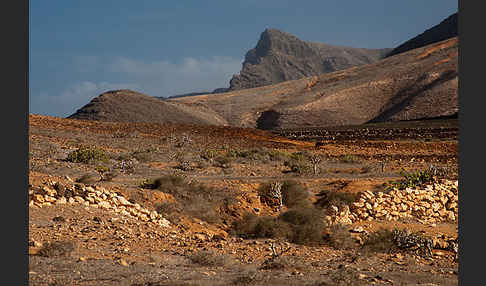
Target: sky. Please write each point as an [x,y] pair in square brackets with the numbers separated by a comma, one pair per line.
[80,49]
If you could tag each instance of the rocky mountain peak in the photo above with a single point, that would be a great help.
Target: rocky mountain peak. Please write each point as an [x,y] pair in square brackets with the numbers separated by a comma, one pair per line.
[280,56]
[275,41]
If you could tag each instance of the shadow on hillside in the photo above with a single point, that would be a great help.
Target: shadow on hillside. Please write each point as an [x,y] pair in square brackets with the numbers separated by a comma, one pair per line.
[268,120]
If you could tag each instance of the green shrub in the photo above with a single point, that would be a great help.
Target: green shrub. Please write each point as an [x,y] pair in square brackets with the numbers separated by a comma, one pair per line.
[298,166]
[348,158]
[102,169]
[277,155]
[208,154]
[87,155]
[411,180]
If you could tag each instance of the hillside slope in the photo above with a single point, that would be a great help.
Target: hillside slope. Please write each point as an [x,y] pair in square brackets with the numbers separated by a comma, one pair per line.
[421,83]
[440,32]
[131,106]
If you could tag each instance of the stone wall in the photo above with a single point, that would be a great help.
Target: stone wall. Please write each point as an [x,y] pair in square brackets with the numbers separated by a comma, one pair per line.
[433,203]
[92,196]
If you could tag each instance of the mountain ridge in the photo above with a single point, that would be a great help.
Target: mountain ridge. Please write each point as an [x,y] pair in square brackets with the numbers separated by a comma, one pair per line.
[280,56]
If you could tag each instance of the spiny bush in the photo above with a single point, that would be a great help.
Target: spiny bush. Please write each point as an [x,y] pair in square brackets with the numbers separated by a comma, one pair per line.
[293,194]
[87,155]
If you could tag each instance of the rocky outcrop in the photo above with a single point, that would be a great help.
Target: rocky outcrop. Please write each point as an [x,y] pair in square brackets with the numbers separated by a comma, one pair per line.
[443,31]
[280,56]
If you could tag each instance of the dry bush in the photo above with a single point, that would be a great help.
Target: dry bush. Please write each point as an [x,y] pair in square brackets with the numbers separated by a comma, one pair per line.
[294,195]
[278,155]
[142,155]
[299,167]
[379,241]
[57,248]
[328,198]
[282,263]
[88,179]
[192,199]
[253,226]
[307,225]
[223,162]
[298,225]
[340,238]
[209,258]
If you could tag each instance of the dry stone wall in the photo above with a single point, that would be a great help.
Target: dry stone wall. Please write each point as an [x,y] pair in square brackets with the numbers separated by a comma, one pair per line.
[92,196]
[437,202]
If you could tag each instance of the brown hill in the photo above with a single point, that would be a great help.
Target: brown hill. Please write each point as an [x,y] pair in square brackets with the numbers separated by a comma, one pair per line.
[280,56]
[421,83]
[443,31]
[131,106]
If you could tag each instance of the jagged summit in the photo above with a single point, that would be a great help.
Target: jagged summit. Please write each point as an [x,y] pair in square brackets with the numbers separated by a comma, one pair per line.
[280,56]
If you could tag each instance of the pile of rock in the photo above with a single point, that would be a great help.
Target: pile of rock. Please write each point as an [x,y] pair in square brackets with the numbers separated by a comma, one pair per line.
[92,196]
[433,203]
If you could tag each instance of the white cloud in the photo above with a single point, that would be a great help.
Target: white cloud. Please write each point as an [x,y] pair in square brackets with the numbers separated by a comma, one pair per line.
[164,78]
[73,97]
[155,78]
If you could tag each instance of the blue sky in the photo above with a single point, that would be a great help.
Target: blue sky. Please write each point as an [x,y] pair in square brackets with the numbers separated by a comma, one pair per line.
[80,49]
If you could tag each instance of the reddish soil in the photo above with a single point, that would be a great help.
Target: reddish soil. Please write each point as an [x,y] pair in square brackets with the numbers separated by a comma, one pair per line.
[110,249]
